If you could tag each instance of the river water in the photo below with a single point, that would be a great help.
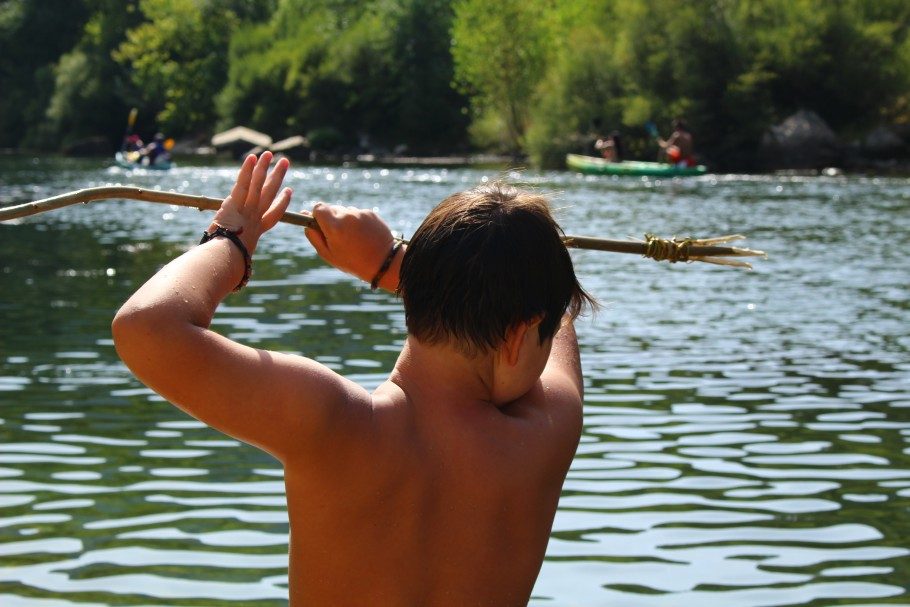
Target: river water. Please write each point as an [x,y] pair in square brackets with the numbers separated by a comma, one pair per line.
[746,439]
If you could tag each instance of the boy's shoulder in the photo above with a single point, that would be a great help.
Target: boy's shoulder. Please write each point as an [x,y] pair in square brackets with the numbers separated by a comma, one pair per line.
[550,411]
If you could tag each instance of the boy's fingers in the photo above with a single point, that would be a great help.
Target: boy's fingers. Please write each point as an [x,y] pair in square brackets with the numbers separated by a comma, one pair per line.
[276,209]
[273,182]
[242,185]
[326,216]
[258,178]
[317,239]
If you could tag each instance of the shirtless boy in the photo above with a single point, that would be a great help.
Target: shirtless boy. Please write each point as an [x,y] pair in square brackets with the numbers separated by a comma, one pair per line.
[440,487]
[680,148]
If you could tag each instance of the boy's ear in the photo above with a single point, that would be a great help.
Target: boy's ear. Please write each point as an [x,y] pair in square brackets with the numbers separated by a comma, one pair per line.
[511,348]
[516,337]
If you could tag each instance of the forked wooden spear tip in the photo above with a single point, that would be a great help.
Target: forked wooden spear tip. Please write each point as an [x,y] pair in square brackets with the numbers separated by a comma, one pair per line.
[671,250]
[707,250]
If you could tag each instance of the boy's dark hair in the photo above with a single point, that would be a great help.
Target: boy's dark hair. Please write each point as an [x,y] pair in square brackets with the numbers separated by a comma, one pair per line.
[483,261]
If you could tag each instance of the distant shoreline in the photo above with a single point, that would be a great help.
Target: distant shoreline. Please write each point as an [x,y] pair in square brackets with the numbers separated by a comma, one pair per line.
[855,166]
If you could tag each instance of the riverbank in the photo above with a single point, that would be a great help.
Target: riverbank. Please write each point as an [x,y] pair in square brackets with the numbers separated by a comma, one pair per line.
[853,164]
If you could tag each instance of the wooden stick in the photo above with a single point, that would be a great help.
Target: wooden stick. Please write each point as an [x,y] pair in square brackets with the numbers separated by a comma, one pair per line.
[672,250]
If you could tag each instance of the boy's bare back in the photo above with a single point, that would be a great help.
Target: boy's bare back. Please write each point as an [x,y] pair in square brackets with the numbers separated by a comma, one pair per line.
[431,502]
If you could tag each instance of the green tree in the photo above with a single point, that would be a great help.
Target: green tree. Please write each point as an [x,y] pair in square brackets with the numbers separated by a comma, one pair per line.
[92,93]
[582,95]
[731,67]
[346,72]
[538,76]
[501,52]
[33,35]
[840,59]
[429,114]
[177,60]
[297,73]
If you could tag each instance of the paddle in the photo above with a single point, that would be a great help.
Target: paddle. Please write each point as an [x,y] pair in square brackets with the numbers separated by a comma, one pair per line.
[655,134]
[652,130]
[130,122]
[659,249]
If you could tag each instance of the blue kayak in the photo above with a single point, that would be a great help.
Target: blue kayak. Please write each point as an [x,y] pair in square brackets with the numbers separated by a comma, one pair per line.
[132,160]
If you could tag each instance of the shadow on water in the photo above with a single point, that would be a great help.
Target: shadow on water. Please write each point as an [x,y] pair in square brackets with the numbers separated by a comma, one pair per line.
[746,433]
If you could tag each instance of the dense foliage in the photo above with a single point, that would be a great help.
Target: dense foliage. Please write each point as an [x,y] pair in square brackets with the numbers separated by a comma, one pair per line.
[365,72]
[521,76]
[730,67]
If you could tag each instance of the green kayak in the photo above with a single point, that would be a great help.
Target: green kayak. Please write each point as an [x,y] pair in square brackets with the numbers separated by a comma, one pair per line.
[591,165]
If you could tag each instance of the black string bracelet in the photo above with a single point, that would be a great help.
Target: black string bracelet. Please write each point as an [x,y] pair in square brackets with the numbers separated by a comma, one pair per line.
[232,236]
[385,265]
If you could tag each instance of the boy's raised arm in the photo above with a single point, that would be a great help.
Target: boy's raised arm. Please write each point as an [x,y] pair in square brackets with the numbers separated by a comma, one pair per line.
[275,401]
[564,364]
[359,242]
[564,388]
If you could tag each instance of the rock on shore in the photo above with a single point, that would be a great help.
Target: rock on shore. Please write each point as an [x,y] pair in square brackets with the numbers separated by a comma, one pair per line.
[802,141]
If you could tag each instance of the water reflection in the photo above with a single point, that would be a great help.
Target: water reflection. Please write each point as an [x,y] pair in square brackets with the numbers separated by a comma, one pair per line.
[746,433]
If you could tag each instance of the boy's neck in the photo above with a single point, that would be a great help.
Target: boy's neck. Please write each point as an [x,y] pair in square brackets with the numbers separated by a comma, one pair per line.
[440,373]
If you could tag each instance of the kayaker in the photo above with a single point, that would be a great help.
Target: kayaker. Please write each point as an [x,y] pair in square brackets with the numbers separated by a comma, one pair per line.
[679,148]
[439,487]
[154,151]
[611,147]
[131,149]
[132,143]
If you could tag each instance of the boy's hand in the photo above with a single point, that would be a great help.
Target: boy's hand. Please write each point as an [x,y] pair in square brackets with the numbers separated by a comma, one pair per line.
[356,241]
[251,209]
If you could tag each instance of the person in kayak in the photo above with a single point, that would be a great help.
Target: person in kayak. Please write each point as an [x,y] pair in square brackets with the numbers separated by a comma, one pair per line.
[440,487]
[611,147]
[679,148]
[154,151]
[132,143]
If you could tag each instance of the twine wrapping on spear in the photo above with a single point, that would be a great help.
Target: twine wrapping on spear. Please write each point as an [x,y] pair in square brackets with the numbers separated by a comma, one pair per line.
[659,249]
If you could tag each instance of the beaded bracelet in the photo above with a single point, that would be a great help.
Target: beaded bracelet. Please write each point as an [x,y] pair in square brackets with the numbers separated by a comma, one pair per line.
[232,236]
[385,265]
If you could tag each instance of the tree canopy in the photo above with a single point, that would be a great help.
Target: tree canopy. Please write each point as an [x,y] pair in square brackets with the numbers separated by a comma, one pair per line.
[529,77]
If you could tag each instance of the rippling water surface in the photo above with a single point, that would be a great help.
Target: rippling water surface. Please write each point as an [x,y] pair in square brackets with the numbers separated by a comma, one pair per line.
[746,433]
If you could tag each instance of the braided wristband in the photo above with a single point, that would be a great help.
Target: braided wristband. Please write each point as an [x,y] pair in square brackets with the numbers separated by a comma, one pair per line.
[232,236]
[385,265]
